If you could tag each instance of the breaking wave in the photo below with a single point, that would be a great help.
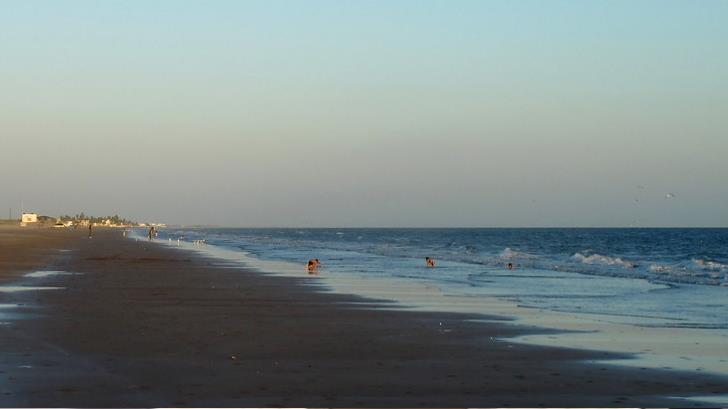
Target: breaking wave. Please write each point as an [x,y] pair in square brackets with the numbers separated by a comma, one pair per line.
[710,265]
[696,271]
[604,260]
[509,253]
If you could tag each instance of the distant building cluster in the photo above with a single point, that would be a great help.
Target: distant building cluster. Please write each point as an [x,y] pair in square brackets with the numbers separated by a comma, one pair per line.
[28,218]
[152,225]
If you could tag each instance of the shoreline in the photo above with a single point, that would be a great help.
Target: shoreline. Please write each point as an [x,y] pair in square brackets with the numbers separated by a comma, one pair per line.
[654,347]
[143,325]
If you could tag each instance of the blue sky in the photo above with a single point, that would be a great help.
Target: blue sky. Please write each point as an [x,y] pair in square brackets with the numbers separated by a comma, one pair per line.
[402,113]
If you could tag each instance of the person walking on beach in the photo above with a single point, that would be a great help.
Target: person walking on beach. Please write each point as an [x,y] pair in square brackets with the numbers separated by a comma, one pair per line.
[90,235]
[430,262]
[151,233]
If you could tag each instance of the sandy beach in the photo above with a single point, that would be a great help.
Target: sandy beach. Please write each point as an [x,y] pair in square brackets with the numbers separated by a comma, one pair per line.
[27,248]
[132,323]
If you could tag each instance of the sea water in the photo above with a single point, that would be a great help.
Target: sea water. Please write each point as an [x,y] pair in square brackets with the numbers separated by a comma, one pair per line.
[663,279]
[675,277]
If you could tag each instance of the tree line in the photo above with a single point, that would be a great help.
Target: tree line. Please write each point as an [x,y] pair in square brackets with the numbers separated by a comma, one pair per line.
[115,219]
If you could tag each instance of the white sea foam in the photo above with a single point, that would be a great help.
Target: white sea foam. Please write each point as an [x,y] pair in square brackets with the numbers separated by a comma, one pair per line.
[710,265]
[510,253]
[696,268]
[676,273]
[600,259]
[662,268]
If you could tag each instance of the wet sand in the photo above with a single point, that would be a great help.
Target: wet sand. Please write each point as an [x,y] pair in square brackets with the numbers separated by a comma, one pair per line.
[24,248]
[145,325]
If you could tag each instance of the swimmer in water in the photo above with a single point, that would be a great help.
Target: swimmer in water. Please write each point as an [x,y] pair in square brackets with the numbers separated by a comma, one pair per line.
[430,262]
[312,265]
[509,266]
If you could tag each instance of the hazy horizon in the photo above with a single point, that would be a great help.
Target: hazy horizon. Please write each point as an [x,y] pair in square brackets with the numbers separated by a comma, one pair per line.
[359,114]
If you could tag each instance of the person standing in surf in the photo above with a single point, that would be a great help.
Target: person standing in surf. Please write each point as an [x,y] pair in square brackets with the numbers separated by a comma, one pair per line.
[430,262]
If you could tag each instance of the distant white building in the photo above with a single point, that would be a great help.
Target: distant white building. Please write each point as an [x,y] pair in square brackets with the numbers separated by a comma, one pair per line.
[29,218]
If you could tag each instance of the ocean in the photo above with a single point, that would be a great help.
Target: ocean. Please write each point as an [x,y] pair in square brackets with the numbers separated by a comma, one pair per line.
[678,275]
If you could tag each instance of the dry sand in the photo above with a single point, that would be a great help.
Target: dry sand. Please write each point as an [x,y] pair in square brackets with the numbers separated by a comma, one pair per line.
[145,325]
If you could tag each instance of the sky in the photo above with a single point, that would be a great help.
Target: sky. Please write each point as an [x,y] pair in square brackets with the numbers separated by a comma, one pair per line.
[367,113]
